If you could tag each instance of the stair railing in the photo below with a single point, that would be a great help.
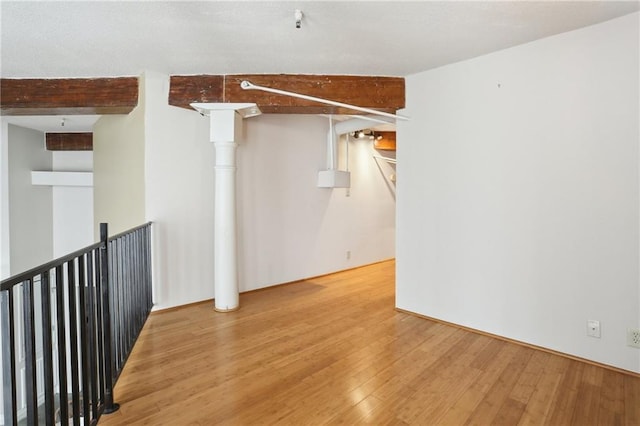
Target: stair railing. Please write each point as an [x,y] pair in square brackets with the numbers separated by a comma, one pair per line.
[68,326]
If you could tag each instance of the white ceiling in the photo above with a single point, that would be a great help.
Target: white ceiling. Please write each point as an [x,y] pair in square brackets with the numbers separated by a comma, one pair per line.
[397,38]
[47,39]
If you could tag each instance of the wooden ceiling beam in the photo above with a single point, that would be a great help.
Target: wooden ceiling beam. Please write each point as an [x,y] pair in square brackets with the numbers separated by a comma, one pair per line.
[120,95]
[387,141]
[185,89]
[69,141]
[380,93]
[68,96]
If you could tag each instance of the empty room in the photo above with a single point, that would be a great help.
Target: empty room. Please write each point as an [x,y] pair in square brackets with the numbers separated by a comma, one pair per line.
[320,212]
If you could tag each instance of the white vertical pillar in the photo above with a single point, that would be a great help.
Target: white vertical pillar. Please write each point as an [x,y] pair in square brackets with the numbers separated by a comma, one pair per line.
[225,130]
[223,135]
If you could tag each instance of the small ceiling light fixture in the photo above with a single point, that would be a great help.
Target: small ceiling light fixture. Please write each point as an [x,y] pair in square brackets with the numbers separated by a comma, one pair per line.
[298,15]
[361,134]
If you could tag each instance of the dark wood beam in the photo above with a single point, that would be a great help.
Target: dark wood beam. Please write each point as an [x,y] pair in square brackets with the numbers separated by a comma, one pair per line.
[185,89]
[387,141]
[69,141]
[380,93]
[68,96]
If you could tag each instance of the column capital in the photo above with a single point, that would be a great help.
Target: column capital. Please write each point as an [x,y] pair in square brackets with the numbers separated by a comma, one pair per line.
[246,110]
[226,119]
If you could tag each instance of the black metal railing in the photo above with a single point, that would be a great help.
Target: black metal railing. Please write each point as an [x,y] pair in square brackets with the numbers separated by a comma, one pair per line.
[129,271]
[68,326]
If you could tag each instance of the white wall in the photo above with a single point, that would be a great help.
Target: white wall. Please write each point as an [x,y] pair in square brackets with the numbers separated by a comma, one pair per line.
[4,200]
[30,207]
[118,164]
[288,228]
[179,184]
[4,223]
[518,192]
[45,221]
[71,207]
[73,226]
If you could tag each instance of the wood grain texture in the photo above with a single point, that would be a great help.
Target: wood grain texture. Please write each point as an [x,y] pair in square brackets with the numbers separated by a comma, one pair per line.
[380,93]
[186,89]
[68,96]
[69,141]
[333,350]
[387,143]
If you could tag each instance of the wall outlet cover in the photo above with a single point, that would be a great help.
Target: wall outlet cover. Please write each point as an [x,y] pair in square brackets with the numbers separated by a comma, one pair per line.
[593,328]
[633,337]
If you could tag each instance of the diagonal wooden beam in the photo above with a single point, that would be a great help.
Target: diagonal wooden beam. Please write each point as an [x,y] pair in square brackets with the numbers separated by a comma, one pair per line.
[381,93]
[69,141]
[68,96]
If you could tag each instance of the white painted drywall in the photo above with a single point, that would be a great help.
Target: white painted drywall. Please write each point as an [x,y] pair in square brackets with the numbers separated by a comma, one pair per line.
[73,161]
[5,269]
[118,164]
[288,228]
[179,191]
[54,178]
[73,226]
[518,192]
[30,207]
[4,223]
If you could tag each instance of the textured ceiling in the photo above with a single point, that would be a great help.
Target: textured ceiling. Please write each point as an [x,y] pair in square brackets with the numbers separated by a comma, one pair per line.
[112,38]
[49,39]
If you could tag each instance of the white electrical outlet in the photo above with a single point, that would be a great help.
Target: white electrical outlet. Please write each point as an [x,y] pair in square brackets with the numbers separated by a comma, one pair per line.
[633,337]
[348,254]
[593,328]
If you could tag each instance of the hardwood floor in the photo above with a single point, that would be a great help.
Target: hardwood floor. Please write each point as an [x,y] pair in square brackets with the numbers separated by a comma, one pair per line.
[333,350]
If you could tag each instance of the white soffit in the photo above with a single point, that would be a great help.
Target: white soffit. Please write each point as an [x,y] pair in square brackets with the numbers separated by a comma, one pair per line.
[53,123]
[61,178]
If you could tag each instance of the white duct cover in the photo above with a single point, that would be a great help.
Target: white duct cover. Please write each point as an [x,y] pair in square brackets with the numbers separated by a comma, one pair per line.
[332,177]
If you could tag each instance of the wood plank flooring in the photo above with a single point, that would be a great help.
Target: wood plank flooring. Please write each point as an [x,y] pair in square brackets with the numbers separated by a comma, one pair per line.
[333,350]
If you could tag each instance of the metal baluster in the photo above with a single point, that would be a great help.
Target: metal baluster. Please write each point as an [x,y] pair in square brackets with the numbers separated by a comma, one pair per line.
[100,333]
[136,314]
[84,369]
[7,325]
[113,317]
[115,301]
[62,347]
[128,265]
[115,305]
[30,352]
[122,325]
[148,262]
[126,291]
[139,282]
[110,406]
[93,374]
[73,342]
[47,349]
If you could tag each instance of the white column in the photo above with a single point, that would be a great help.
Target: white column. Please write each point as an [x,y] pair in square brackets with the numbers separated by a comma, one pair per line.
[225,130]
[223,136]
